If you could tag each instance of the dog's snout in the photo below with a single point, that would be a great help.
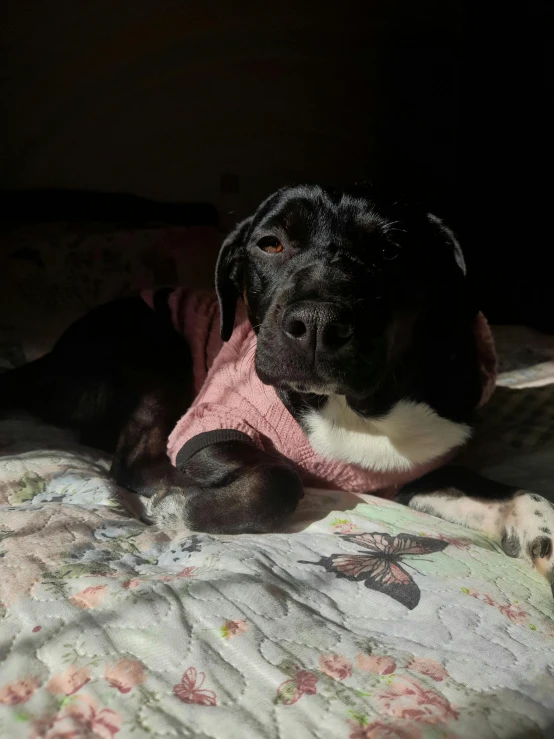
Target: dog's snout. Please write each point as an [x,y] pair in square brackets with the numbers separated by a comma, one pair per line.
[316,325]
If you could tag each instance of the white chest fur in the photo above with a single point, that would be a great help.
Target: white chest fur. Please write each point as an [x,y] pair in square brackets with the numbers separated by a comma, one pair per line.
[409,434]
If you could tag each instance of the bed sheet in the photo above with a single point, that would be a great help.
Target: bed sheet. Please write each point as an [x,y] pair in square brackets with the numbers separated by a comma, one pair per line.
[363,620]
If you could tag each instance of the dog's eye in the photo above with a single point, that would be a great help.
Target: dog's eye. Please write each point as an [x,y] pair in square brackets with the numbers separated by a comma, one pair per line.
[270,244]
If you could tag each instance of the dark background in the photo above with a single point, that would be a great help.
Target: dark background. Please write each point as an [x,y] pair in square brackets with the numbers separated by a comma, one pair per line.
[221,102]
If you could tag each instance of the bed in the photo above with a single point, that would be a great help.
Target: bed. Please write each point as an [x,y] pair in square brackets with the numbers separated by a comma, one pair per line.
[110,628]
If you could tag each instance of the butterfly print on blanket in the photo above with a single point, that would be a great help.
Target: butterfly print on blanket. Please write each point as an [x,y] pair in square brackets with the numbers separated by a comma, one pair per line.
[379,566]
[190,689]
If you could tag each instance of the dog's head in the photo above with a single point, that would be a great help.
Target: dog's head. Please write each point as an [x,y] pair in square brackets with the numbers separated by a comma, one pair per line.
[343,291]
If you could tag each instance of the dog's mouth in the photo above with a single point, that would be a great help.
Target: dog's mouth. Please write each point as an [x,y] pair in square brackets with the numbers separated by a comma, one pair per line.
[308,388]
[285,372]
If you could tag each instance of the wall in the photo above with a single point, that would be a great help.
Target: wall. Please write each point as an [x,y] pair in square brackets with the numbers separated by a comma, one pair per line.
[162,98]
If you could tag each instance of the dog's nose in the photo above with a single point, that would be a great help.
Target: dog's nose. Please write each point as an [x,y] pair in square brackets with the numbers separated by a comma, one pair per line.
[318,325]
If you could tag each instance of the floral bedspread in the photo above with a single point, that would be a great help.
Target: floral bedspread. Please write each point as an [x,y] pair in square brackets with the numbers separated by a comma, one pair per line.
[364,620]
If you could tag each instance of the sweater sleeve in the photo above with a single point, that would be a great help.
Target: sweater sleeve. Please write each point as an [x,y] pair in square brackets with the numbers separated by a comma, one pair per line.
[230,404]
[205,424]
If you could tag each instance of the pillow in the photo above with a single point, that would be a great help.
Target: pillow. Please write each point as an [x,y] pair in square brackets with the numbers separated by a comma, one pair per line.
[55,272]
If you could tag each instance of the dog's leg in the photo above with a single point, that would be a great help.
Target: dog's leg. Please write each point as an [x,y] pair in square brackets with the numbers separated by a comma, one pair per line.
[241,489]
[140,461]
[522,522]
[228,487]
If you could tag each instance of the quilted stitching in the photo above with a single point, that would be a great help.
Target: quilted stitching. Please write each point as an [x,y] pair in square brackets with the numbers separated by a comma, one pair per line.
[114,629]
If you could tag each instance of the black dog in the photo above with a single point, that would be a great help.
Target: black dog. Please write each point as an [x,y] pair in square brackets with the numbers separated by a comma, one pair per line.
[362,312]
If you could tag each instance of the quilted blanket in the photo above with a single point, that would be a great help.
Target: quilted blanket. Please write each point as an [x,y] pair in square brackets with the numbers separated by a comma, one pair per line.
[364,620]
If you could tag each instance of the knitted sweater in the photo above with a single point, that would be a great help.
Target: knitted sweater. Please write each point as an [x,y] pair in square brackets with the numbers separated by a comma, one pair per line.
[232,403]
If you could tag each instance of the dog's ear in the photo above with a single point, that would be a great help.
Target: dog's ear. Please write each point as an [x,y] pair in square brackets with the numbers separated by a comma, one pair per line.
[228,275]
[448,238]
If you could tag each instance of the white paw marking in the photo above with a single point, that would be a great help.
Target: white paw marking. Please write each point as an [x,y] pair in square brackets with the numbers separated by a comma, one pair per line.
[524,525]
[169,510]
[528,523]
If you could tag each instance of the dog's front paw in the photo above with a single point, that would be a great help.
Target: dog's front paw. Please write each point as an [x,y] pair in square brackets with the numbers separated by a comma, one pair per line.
[168,508]
[258,500]
[528,531]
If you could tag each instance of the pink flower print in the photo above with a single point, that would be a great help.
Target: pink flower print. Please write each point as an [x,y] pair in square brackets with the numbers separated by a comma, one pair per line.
[428,667]
[379,665]
[79,718]
[406,699]
[514,613]
[343,526]
[233,628]
[130,584]
[479,596]
[306,682]
[68,682]
[511,610]
[381,730]
[187,572]
[335,666]
[125,674]
[89,597]
[17,691]
[303,683]
[190,690]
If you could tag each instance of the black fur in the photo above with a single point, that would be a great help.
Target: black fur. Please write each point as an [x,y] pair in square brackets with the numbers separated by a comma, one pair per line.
[396,271]
[364,298]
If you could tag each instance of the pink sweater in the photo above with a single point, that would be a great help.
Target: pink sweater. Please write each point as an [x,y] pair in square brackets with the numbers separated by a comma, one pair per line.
[230,398]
